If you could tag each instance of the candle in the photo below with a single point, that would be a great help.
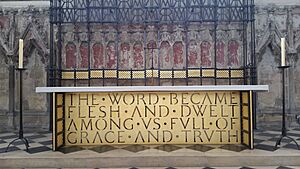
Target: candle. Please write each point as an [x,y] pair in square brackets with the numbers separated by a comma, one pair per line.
[282,51]
[20,53]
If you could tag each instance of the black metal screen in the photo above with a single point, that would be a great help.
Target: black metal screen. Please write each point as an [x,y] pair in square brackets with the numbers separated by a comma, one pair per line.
[151,42]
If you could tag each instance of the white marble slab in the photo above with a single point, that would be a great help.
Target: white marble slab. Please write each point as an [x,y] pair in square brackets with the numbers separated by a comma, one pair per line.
[24,4]
[152,88]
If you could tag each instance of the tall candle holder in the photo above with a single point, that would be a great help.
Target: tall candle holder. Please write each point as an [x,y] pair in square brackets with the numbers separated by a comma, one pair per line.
[21,134]
[283,129]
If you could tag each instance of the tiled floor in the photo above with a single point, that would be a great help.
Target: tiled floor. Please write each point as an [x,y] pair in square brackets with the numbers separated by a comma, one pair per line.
[252,167]
[40,146]
[40,142]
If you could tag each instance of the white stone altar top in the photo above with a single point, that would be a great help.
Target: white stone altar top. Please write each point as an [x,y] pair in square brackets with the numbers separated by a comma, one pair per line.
[152,88]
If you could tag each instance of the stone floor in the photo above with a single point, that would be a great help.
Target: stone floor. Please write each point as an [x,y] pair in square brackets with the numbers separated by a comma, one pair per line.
[40,142]
[40,146]
[249,167]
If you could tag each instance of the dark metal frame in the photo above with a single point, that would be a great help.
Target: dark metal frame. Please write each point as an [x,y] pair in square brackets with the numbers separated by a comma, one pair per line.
[246,131]
[56,144]
[283,127]
[21,133]
[152,12]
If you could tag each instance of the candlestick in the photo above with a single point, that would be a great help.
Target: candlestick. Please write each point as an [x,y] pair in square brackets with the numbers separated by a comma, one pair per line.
[283,127]
[21,132]
[21,53]
[282,51]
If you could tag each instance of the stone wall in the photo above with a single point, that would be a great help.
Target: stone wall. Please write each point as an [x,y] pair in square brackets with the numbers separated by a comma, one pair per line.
[32,24]
[132,52]
[272,23]
[29,20]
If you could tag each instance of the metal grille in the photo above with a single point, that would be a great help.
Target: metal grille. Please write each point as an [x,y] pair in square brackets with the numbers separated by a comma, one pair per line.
[165,74]
[149,11]
[166,39]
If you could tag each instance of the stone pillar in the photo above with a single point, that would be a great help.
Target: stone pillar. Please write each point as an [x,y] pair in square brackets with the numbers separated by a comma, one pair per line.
[11,112]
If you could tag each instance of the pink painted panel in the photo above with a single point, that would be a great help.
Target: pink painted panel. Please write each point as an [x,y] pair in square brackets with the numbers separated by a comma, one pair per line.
[70,55]
[178,54]
[192,54]
[221,53]
[233,47]
[125,55]
[152,57]
[98,55]
[84,55]
[111,55]
[165,54]
[205,54]
[137,55]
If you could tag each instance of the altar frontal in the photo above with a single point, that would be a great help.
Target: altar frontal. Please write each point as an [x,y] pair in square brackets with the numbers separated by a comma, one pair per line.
[152,118]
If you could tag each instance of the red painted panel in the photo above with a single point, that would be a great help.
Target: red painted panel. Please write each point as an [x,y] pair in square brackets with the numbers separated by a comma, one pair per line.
[125,55]
[84,55]
[111,55]
[137,55]
[221,53]
[233,48]
[165,54]
[70,55]
[192,54]
[205,54]
[178,54]
[98,55]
